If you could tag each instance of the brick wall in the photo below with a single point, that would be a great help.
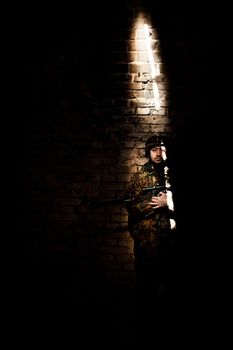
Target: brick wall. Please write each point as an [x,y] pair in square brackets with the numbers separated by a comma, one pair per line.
[83,132]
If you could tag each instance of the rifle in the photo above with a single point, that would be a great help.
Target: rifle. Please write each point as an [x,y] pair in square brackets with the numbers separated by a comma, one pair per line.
[147,193]
[154,190]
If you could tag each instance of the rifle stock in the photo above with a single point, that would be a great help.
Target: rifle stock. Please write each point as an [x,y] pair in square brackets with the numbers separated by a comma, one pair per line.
[147,193]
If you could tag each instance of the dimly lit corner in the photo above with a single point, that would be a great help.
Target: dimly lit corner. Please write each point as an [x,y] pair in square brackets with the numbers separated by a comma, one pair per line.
[102,79]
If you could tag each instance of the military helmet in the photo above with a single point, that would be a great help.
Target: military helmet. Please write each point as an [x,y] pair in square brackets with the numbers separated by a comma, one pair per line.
[154,141]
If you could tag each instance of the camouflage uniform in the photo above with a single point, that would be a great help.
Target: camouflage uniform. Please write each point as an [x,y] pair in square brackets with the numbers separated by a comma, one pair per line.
[149,229]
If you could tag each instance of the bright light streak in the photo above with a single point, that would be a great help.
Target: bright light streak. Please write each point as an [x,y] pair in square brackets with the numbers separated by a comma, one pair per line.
[149,51]
[154,69]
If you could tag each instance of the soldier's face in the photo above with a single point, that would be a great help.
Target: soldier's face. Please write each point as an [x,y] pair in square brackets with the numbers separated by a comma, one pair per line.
[158,154]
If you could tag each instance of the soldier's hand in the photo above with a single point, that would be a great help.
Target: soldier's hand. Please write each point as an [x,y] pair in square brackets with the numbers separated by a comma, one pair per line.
[159,201]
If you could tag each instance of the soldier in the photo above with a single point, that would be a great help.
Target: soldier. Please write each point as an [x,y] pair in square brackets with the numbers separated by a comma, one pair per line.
[151,220]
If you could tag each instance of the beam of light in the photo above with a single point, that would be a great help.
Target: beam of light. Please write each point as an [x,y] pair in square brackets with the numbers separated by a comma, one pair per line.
[154,68]
[149,51]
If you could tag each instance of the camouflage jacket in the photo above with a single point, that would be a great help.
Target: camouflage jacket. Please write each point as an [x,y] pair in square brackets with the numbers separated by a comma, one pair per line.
[147,227]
